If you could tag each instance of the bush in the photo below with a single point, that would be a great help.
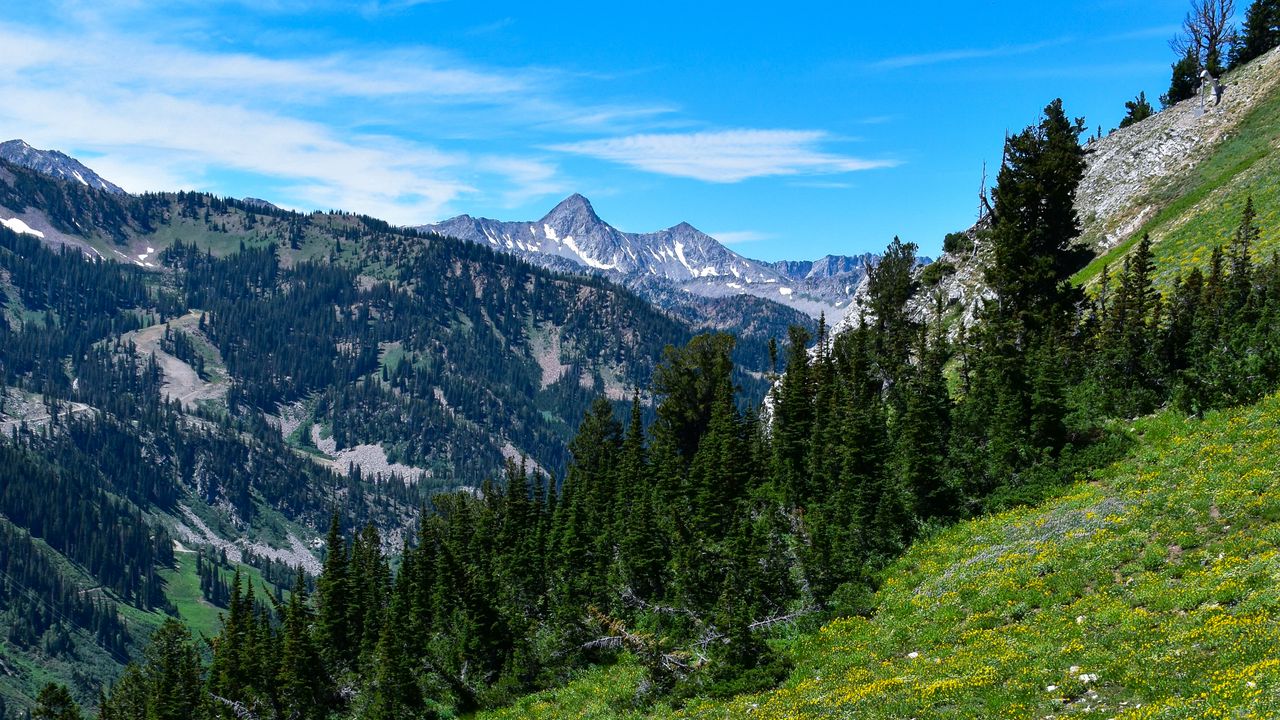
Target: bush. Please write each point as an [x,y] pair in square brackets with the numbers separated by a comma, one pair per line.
[936,272]
[957,243]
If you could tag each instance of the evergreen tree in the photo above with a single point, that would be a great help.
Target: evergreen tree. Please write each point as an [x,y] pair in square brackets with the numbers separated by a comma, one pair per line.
[394,692]
[55,703]
[300,679]
[1240,261]
[1137,110]
[165,686]
[921,434]
[793,421]
[1016,405]
[583,541]
[642,546]
[1035,221]
[1260,32]
[1184,81]
[333,599]
[890,285]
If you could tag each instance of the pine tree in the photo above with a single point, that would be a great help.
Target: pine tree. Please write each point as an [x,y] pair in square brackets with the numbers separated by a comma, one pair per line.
[582,542]
[1035,221]
[369,582]
[1185,79]
[171,672]
[1016,401]
[687,381]
[1240,262]
[642,546]
[719,476]
[300,679]
[890,285]
[793,421]
[1137,110]
[1259,34]
[921,434]
[333,599]
[231,674]
[54,702]
[394,692]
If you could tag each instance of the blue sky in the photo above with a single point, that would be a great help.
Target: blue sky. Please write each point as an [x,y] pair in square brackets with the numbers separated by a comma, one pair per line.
[789,130]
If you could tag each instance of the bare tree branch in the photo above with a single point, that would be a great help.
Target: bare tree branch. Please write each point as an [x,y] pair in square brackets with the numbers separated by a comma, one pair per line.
[1207,33]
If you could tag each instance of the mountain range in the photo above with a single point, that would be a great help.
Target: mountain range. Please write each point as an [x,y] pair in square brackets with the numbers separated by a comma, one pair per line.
[573,237]
[55,164]
[214,400]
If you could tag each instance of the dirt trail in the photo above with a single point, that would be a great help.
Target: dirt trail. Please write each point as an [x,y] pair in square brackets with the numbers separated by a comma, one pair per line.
[23,408]
[181,382]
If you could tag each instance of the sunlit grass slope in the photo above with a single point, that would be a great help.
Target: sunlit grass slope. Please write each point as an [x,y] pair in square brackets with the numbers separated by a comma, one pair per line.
[1202,208]
[1151,592]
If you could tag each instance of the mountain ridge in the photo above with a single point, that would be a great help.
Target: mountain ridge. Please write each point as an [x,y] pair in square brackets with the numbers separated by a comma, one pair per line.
[679,257]
[56,164]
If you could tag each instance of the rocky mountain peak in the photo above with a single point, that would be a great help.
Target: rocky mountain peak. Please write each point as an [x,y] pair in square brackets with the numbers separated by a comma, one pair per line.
[54,164]
[573,210]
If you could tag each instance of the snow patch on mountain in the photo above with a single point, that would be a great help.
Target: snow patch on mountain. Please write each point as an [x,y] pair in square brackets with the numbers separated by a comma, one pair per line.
[20,227]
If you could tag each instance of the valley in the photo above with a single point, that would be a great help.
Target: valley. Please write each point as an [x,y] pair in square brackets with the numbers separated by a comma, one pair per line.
[262,463]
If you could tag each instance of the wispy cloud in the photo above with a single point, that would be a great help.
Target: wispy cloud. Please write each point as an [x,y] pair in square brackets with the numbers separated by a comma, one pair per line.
[733,237]
[725,156]
[822,185]
[950,56]
[490,28]
[157,116]
[1157,31]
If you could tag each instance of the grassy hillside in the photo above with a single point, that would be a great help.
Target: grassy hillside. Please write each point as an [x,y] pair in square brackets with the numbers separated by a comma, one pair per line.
[1196,210]
[1148,592]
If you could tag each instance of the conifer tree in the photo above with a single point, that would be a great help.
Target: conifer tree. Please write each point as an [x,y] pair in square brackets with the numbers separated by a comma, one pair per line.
[890,285]
[1260,32]
[921,434]
[369,582]
[171,675]
[1136,110]
[1017,401]
[54,702]
[1035,221]
[333,600]
[582,539]
[643,551]
[301,681]
[394,692]
[793,421]
[1184,81]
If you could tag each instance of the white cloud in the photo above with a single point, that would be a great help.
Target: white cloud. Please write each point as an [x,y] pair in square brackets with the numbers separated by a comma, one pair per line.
[733,237]
[949,56]
[160,117]
[725,156]
[822,185]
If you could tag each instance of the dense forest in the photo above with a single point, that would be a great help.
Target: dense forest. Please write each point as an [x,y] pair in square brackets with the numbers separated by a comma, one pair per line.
[687,537]
[434,349]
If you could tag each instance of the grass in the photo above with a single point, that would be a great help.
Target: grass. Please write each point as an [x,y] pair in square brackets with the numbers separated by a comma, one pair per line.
[182,587]
[1202,208]
[1148,592]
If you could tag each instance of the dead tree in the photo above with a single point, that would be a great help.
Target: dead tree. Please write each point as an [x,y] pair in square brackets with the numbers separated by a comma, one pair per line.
[1207,33]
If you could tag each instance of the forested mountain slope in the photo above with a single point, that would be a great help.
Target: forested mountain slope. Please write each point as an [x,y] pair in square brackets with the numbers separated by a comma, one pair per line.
[211,379]
[503,357]
[858,550]
[691,562]
[1146,592]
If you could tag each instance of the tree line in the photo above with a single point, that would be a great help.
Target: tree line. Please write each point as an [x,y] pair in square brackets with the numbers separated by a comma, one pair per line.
[686,542]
